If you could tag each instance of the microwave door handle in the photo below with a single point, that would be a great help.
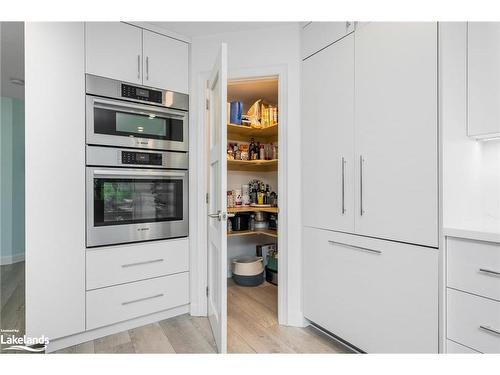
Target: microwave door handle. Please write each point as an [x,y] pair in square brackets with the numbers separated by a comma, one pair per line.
[103,172]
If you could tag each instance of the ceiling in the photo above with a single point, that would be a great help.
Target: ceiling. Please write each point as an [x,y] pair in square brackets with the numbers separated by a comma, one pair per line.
[197,29]
[12,58]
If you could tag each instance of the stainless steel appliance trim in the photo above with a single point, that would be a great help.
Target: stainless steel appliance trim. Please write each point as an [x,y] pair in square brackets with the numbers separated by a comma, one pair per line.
[143,263]
[489,330]
[355,247]
[343,185]
[111,88]
[137,173]
[142,299]
[134,142]
[489,272]
[139,232]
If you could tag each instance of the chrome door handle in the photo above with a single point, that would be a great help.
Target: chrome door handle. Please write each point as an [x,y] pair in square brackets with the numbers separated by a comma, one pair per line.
[142,299]
[343,185]
[356,247]
[147,68]
[361,161]
[489,272]
[489,330]
[218,215]
[142,263]
[139,66]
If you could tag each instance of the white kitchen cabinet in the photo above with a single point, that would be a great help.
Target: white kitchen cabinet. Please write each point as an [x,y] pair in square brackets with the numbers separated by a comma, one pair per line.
[165,62]
[318,35]
[396,132]
[328,137]
[380,296]
[114,50]
[483,73]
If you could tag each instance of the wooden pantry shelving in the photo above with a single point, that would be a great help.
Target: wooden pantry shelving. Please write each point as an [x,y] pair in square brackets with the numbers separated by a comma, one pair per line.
[235,210]
[263,232]
[253,165]
[243,133]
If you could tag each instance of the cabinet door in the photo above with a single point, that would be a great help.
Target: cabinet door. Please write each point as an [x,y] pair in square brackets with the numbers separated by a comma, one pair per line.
[114,50]
[318,35]
[328,137]
[381,296]
[396,139]
[165,62]
[483,79]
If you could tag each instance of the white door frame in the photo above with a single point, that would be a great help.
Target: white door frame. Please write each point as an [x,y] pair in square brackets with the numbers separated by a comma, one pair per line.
[198,254]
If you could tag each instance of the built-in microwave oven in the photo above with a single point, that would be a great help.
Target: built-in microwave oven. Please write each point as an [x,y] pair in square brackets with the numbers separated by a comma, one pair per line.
[124,115]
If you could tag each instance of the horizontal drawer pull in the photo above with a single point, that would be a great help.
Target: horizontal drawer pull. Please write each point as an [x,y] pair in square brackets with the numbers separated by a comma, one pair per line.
[489,272]
[356,247]
[142,299]
[490,330]
[143,263]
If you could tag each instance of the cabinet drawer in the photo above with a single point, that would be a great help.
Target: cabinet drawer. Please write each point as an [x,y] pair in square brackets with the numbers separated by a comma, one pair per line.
[473,320]
[474,266]
[380,296]
[122,302]
[455,348]
[318,35]
[123,264]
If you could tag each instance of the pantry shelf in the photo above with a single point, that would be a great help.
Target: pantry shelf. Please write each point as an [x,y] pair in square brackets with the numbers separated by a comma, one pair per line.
[234,210]
[243,133]
[253,165]
[265,232]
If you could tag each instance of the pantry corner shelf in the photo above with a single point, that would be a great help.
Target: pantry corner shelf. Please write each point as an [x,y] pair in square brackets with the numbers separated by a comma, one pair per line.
[253,165]
[265,232]
[234,210]
[244,133]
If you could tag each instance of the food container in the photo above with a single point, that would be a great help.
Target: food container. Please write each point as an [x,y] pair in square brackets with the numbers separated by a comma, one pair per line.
[245,195]
[248,271]
[237,197]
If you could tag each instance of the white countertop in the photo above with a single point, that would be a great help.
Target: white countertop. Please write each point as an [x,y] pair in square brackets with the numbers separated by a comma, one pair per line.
[480,234]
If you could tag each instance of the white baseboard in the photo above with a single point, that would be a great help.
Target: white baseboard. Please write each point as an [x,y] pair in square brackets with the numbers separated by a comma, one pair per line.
[11,259]
[79,338]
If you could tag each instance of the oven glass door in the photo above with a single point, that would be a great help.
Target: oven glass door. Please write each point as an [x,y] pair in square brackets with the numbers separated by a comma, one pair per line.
[121,123]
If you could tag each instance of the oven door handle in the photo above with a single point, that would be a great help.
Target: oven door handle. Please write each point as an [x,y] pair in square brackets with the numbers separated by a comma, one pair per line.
[135,108]
[131,173]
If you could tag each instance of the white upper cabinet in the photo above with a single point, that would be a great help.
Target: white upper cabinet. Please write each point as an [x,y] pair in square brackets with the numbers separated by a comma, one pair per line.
[396,132]
[328,137]
[128,53]
[318,35]
[483,46]
[165,62]
[114,50]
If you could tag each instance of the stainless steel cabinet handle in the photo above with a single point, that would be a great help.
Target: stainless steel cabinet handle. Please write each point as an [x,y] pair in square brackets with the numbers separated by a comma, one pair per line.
[361,208]
[356,247]
[489,272]
[147,68]
[343,185]
[490,330]
[142,299]
[139,66]
[142,263]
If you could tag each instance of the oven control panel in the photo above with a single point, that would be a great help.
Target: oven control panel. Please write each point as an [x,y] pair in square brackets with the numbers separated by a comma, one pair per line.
[140,93]
[141,158]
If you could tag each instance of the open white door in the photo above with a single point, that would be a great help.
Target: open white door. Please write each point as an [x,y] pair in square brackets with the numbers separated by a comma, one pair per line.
[217,203]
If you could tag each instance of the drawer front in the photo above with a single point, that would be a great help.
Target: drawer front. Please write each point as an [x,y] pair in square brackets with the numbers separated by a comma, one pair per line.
[122,302]
[455,348]
[124,264]
[474,267]
[318,35]
[473,321]
[380,296]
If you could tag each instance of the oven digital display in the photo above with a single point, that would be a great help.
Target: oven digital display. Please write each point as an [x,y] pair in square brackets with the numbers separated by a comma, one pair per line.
[141,158]
[142,92]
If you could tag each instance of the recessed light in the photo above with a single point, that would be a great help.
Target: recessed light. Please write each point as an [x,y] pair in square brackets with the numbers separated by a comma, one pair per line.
[17,81]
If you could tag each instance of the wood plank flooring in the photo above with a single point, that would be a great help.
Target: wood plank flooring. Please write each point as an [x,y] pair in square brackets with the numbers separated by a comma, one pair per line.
[252,326]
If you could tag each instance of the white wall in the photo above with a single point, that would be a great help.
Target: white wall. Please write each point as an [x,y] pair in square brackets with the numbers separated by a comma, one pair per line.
[264,48]
[471,169]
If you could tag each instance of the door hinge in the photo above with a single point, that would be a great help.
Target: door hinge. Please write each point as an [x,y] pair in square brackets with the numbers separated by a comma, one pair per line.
[207,104]
[206,198]
[206,291]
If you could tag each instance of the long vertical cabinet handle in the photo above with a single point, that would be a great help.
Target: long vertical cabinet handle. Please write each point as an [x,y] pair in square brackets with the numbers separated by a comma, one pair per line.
[361,161]
[147,68]
[139,66]
[343,185]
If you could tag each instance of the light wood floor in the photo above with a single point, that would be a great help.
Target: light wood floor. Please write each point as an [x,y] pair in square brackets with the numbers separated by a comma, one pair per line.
[252,326]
